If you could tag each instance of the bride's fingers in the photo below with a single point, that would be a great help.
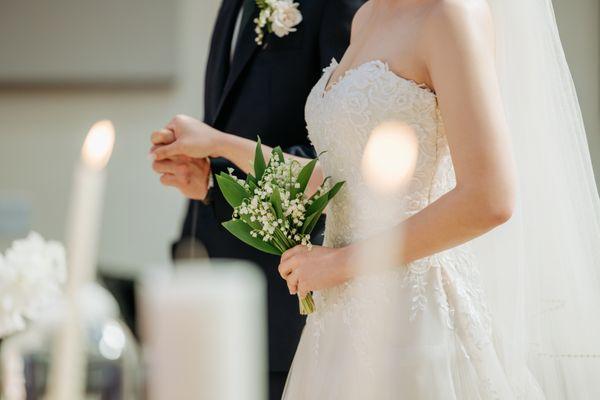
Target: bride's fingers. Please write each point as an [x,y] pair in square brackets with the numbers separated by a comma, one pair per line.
[285,268]
[302,291]
[292,283]
[163,136]
[292,252]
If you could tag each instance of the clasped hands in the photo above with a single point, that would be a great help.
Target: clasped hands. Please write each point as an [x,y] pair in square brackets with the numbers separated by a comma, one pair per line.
[181,156]
[181,152]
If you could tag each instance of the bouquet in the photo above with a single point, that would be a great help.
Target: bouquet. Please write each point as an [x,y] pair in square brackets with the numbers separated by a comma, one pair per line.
[271,211]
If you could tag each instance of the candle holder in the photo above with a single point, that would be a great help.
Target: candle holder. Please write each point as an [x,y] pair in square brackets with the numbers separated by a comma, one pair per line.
[110,352]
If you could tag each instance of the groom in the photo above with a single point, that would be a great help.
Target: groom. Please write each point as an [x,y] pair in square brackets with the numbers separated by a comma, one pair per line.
[259,90]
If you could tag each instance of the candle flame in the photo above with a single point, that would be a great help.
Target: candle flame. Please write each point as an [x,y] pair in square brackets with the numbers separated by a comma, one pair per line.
[98,145]
[390,157]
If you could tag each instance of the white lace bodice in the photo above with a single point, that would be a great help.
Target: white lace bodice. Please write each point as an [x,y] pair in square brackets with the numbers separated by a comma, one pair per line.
[340,121]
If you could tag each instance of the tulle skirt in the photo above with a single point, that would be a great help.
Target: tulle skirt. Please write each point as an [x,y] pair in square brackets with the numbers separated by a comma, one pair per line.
[418,332]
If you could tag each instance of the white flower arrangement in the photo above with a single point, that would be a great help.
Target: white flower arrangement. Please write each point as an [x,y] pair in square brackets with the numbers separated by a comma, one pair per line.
[32,274]
[278,16]
[271,211]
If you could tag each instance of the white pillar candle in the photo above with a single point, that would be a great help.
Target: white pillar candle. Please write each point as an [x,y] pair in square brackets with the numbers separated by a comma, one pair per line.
[67,374]
[204,332]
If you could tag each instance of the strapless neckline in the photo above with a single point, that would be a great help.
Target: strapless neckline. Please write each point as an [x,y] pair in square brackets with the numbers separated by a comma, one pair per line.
[380,64]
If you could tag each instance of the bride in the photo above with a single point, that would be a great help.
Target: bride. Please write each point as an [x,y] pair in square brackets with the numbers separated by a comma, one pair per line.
[474,312]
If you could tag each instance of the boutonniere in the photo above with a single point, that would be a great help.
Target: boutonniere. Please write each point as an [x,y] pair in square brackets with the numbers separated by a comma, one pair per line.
[278,16]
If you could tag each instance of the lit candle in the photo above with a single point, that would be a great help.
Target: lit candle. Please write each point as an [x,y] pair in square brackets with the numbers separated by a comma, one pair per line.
[388,164]
[390,158]
[67,374]
[204,326]
[86,204]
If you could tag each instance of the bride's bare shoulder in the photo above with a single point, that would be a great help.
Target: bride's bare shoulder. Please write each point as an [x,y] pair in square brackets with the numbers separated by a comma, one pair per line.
[456,19]
[459,8]
[361,17]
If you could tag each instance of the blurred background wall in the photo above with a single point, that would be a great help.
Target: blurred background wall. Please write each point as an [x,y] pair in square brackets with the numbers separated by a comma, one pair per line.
[43,123]
[42,126]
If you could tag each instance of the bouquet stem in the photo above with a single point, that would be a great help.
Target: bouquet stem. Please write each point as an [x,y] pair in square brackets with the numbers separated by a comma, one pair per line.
[307,305]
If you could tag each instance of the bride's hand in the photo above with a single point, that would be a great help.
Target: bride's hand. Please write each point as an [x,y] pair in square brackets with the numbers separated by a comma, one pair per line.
[306,270]
[185,136]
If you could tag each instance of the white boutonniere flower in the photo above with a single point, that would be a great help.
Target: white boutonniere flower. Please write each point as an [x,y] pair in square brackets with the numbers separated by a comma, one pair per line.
[277,16]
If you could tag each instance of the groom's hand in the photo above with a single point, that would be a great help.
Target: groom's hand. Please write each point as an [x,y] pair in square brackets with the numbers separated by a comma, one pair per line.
[190,176]
[185,136]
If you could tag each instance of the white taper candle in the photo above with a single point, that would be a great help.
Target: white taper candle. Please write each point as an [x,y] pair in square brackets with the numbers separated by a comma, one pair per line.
[67,374]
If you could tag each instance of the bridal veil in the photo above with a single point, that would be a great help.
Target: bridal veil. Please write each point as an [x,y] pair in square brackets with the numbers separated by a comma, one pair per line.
[542,269]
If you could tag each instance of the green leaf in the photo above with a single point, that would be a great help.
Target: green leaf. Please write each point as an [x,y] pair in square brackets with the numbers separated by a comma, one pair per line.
[276,202]
[335,189]
[318,203]
[252,182]
[310,223]
[314,196]
[313,217]
[242,231]
[278,154]
[321,201]
[259,161]
[317,207]
[233,192]
[304,177]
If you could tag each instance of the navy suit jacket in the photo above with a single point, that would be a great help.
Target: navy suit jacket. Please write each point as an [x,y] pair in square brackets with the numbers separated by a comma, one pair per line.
[262,91]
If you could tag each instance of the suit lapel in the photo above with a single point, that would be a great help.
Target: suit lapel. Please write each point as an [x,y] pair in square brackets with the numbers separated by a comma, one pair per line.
[218,65]
[246,48]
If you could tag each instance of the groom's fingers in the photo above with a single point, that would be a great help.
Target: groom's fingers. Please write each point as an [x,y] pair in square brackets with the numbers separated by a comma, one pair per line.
[166,151]
[169,180]
[164,167]
[164,136]
[182,169]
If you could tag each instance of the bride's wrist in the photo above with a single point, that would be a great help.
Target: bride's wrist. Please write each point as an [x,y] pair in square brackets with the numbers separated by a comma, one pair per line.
[220,144]
[346,266]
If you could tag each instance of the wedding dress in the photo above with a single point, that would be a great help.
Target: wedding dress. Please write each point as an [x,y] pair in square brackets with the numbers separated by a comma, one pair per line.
[512,314]
[436,342]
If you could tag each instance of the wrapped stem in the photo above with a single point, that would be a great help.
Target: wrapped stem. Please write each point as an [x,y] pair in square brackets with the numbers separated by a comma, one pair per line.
[307,304]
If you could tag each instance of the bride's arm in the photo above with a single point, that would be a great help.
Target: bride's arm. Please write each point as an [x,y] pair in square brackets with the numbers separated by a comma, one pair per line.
[458,51]
[240,151]
[186,136]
